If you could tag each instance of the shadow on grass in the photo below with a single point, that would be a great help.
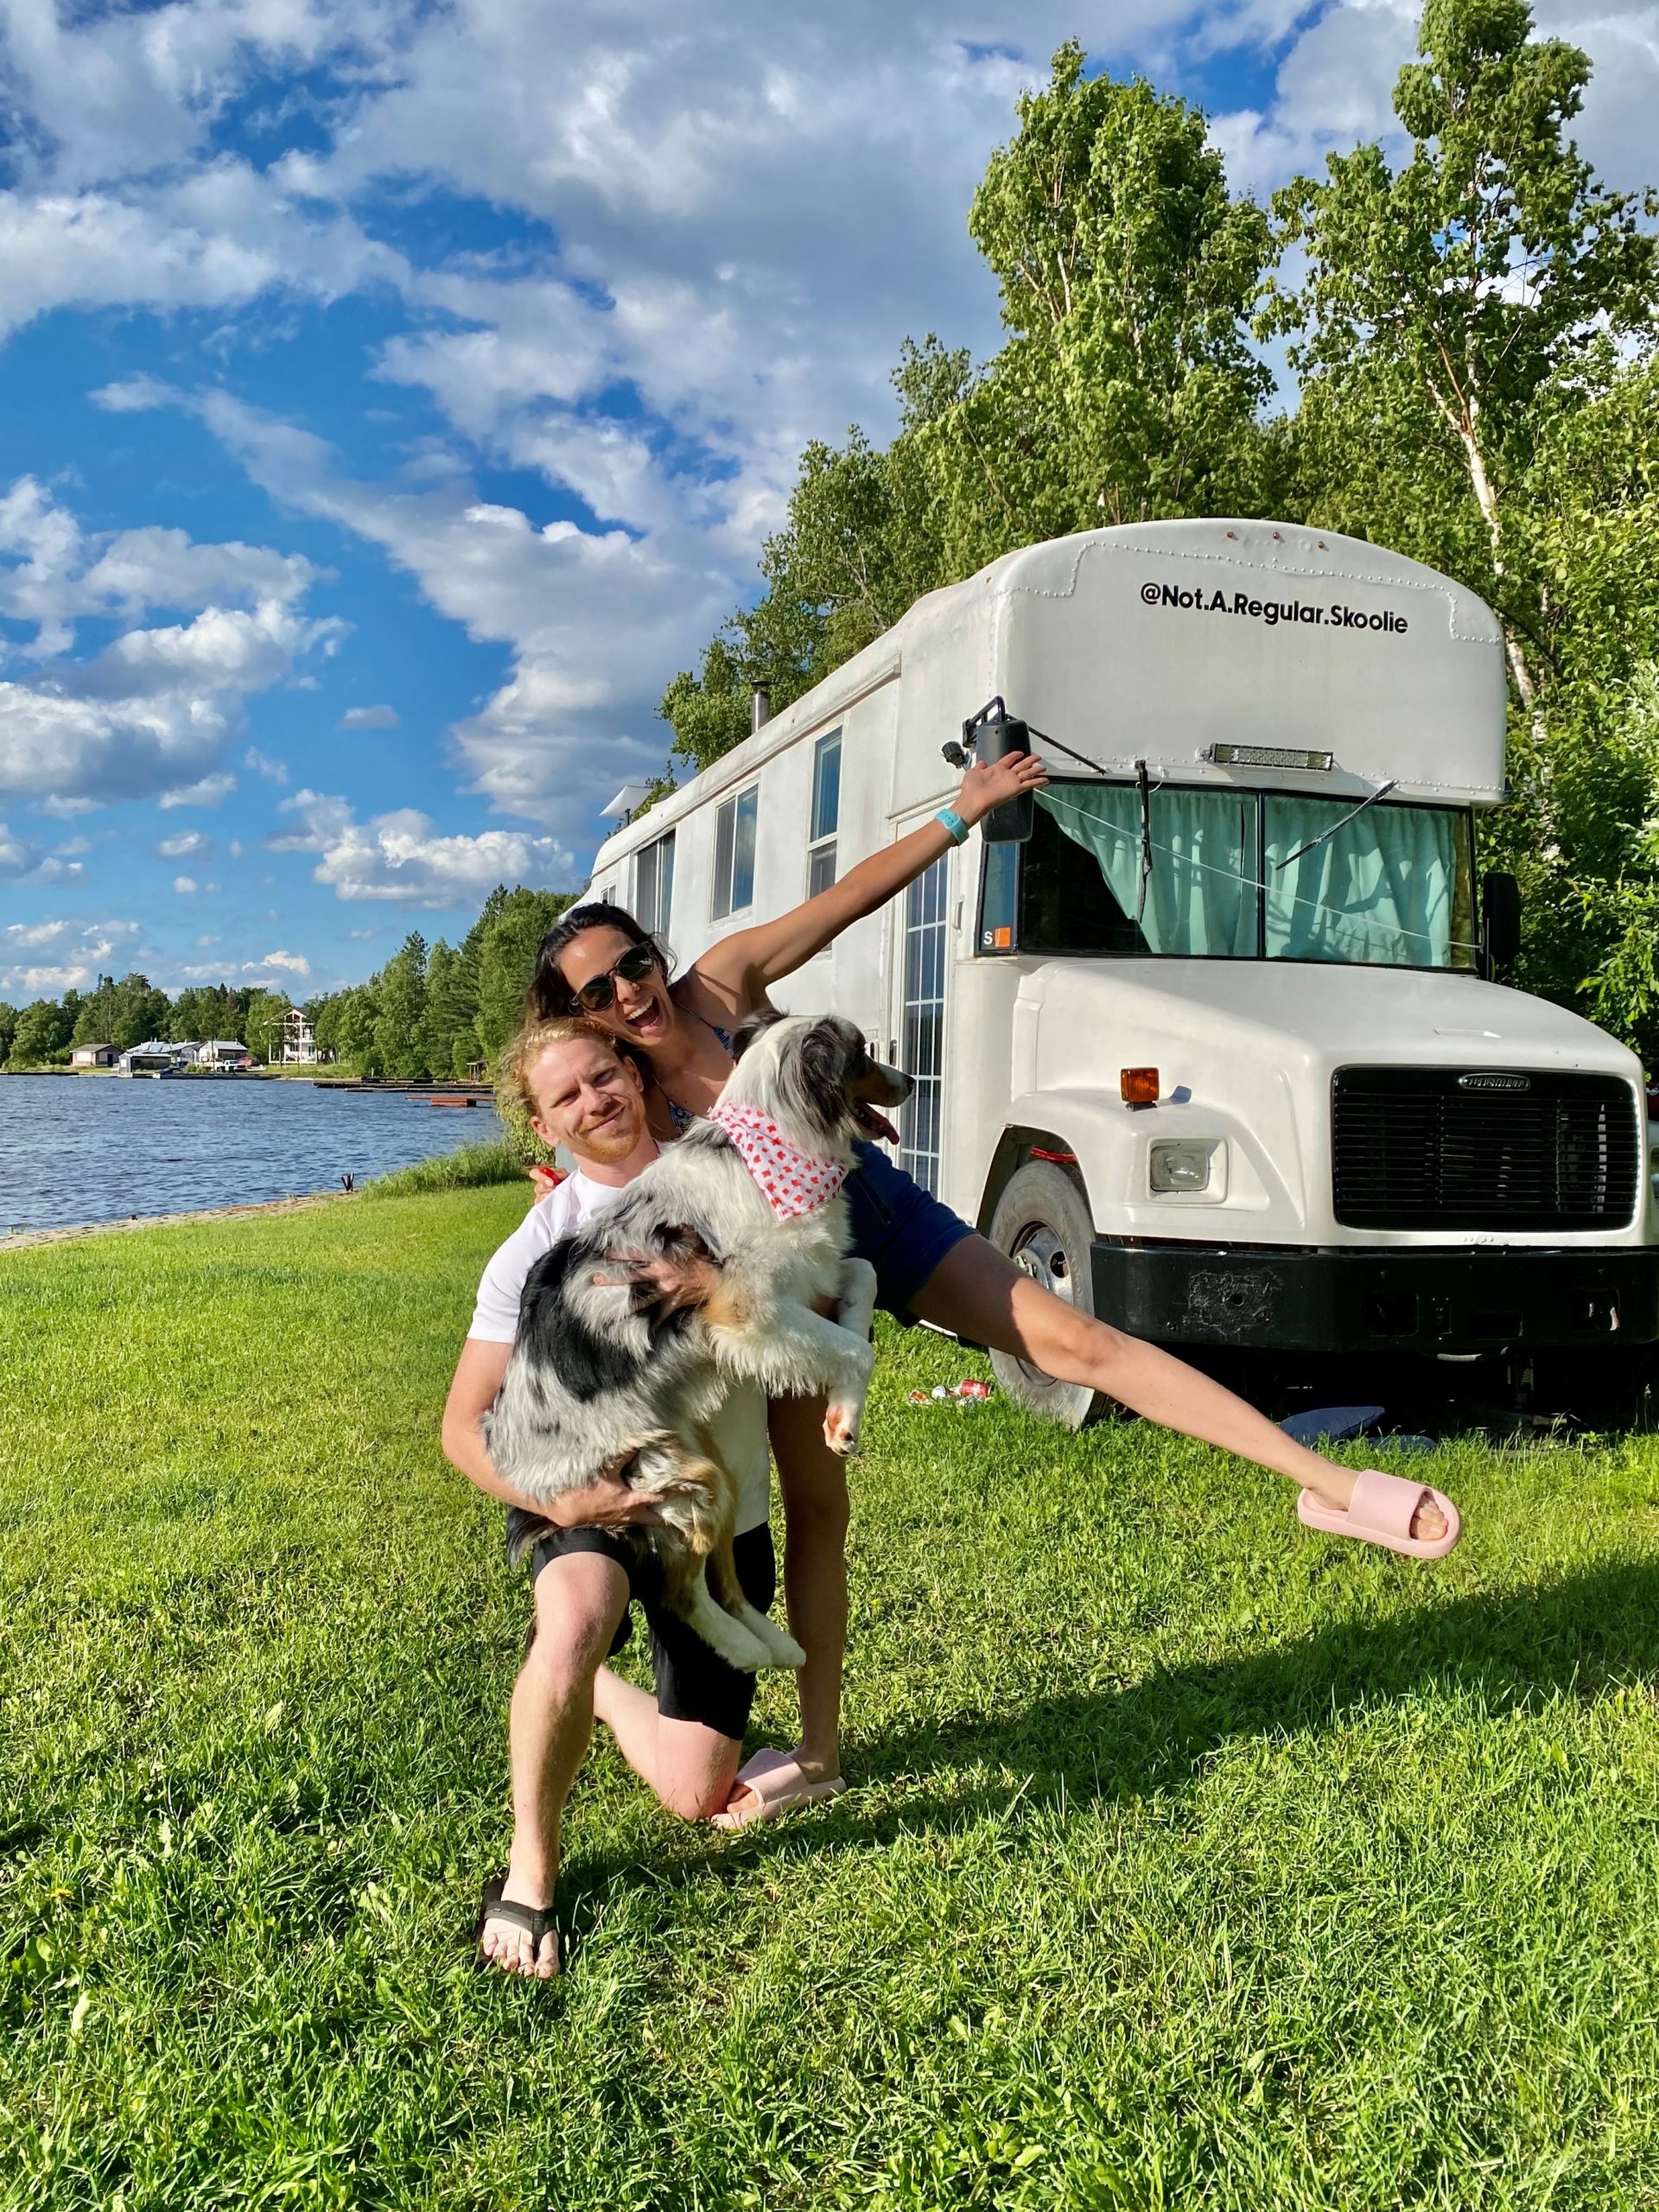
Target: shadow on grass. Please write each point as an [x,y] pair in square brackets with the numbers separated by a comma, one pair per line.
[1580,1635]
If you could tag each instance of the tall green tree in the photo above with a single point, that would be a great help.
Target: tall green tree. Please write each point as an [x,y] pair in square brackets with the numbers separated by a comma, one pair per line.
[141,1012]
[398,1032]
[263,1024]
[1459,295]
[43,1030]
[1127,388]
[346,1026]
[507,960]
[203,1011]
[447,1025]
[98,1019]
[1475,329]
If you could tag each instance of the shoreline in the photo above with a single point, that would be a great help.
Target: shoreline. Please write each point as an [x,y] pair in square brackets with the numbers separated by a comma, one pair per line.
[71,1232]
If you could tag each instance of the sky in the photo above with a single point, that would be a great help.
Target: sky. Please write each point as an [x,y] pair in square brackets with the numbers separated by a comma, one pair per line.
[394,397]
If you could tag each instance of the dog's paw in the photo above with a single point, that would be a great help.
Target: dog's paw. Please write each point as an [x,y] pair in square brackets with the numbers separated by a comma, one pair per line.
[840,1425]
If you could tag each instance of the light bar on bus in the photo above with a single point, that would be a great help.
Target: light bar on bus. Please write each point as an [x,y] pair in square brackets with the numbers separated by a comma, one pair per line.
[1267,756]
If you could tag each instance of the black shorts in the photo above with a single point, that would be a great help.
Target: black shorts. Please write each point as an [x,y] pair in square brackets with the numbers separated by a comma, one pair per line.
[693,1683]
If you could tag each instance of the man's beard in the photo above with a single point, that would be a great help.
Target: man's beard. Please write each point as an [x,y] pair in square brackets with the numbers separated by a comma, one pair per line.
[614,1140]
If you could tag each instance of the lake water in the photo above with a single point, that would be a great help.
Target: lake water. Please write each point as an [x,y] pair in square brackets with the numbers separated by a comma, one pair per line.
[76,1148]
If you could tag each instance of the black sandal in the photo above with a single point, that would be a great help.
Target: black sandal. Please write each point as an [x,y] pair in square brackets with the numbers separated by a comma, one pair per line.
[535,1922]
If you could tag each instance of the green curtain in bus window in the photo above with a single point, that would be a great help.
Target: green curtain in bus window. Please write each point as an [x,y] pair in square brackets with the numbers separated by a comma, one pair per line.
[1201,893]
[1380,890]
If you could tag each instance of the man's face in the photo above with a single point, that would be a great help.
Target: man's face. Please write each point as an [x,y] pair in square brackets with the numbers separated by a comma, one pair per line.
[587,1100]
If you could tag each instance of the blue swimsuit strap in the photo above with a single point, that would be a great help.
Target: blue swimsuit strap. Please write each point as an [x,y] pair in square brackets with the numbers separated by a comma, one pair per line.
[682,1116]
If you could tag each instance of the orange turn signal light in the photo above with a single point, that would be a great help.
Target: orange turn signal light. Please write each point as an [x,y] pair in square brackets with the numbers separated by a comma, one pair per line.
[1138,1085]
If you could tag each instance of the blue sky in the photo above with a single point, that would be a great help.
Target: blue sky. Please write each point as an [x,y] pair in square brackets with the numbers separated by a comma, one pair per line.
[395,396]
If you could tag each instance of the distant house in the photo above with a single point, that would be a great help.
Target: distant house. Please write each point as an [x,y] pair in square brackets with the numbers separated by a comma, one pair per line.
[222,1052]
[147,1058]
[94,1056]
[299,1044]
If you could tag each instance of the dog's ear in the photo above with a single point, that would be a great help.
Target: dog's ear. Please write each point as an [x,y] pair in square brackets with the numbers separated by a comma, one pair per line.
[822,1069]
[751,1027]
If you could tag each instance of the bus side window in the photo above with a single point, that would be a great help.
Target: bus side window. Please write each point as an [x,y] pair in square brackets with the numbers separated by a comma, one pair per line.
[999,897]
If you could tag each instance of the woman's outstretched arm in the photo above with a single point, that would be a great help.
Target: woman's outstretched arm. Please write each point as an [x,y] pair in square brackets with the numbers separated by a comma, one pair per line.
[750,962]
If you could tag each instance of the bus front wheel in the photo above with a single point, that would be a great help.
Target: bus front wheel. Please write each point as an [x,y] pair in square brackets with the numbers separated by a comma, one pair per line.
[1042,1222]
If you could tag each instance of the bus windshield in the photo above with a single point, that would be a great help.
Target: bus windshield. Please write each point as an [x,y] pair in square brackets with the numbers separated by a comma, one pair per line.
[1236,875]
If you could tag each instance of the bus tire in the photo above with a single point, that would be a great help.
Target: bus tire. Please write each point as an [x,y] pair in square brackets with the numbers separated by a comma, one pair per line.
[1042,1222]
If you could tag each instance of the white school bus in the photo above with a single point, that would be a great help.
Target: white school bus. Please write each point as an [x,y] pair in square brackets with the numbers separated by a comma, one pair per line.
[1214,1050]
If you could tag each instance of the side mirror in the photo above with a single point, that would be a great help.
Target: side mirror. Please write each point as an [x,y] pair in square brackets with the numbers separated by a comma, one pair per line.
[996,736]
[1500,919]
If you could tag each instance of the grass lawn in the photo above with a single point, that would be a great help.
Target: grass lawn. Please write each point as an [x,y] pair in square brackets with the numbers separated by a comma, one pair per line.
[1191,1860]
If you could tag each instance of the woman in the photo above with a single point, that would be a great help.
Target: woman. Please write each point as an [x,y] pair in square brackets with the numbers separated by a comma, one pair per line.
[930,1266]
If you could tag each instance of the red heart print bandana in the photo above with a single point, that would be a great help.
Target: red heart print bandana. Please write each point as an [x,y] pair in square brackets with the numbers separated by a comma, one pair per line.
[792,1182]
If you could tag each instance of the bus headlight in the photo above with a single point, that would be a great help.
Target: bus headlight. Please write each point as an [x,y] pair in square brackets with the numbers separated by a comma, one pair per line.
[1183,1166]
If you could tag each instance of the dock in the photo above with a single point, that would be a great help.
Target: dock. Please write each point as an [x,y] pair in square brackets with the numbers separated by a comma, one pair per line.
[430,1094]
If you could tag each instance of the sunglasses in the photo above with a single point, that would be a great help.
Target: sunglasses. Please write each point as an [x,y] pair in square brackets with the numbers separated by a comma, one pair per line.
[599,991]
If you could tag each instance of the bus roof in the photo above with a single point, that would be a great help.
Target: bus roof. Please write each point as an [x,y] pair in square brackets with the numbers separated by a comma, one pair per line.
[1159,642]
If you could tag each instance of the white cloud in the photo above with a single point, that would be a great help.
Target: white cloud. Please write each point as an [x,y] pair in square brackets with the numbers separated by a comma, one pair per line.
[206,790]
[597,620]
[79,950]
[217,237]
[22,861]
[186,884]
[286,963]
[369,718]
[154,709]
[187,843]
[263,765]
[401,858]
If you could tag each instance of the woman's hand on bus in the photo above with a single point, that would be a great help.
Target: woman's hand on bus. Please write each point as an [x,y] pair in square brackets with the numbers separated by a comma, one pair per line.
[987,784]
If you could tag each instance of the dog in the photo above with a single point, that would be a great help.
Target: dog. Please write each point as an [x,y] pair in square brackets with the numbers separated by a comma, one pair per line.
[604,1370]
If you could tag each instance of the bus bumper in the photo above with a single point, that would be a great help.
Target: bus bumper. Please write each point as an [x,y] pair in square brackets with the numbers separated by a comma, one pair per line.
[1427,1300]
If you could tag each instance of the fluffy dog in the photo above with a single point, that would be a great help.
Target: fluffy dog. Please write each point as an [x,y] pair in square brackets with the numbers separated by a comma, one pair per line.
[602,1373]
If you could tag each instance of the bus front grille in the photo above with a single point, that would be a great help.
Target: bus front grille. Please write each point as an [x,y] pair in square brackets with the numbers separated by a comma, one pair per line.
[1483,1148]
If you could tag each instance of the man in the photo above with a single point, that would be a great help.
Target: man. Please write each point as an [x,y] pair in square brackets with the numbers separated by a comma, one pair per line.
[586,1562]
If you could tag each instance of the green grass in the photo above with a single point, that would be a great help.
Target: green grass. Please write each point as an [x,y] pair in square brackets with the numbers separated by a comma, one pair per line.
[1191,1860]
[472,1167]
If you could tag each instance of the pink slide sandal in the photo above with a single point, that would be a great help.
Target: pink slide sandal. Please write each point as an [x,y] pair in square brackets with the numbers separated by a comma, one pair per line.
[776,1786]
[1380,1513]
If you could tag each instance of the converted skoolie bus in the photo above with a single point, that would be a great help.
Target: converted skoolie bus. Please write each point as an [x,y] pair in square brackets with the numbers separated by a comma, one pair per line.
[1248,898]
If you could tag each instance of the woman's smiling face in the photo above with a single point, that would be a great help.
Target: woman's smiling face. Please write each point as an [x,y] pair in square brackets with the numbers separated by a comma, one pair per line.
[642,1011]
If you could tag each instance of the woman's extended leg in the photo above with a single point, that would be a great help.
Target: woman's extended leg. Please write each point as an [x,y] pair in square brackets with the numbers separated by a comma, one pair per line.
[978,1292]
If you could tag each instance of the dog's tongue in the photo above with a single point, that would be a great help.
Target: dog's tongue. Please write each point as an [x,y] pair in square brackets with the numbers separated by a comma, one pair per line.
[876,1125]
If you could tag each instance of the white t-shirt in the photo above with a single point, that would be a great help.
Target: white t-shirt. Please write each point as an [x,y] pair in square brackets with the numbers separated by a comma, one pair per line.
[741,1424]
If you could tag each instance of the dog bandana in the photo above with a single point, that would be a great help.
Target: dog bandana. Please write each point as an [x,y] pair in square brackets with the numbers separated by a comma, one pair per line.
[792,1182]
